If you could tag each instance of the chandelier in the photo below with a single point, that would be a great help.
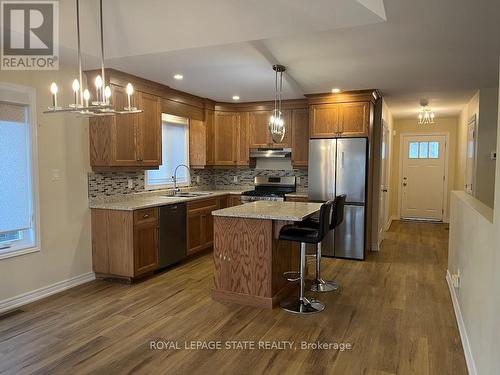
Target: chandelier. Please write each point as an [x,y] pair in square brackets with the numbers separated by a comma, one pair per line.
[82,104]
[426,116]
[276,122]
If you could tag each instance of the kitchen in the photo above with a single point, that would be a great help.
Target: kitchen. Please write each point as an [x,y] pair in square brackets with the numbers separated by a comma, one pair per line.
[228,201]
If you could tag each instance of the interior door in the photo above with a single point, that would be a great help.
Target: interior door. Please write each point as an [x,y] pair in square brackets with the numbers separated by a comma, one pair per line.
[423,178]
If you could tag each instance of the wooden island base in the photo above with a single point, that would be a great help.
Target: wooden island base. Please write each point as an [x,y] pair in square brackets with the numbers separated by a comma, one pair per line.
[249,261]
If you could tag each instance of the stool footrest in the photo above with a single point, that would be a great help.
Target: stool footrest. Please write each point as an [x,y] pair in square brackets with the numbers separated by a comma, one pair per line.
[291,276]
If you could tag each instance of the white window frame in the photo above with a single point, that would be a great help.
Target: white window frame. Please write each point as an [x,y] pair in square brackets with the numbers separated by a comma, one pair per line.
[23,95]
[169,185]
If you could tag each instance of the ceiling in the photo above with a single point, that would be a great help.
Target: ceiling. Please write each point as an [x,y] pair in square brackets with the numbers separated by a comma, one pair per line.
[441,50]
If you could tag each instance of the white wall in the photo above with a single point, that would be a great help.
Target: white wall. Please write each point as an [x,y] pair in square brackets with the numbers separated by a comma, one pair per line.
[474,249]
[63,144]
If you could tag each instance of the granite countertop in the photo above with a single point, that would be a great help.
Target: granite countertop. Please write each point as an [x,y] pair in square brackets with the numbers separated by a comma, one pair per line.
[270,210]
[298,194]
[130,202]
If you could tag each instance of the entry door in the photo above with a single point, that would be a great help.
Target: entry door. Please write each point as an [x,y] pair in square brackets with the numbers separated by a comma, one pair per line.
[423,178]
[384,183]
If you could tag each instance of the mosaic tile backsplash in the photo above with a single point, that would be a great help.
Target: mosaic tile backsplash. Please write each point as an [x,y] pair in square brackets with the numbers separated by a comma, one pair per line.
[112,183]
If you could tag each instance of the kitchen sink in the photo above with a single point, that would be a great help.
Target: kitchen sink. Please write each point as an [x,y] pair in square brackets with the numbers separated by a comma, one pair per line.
[187,195]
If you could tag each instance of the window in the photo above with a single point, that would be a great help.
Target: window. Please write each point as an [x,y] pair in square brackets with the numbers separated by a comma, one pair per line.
[19,232]
[423,150]
[175,151]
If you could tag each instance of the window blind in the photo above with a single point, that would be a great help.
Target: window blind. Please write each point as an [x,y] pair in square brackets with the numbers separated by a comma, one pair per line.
[15,176]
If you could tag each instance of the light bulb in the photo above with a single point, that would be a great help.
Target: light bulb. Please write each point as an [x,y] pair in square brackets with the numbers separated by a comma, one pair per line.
[107,92]
[432,115]
[130,89]
[420,116]
[53,88]
[98,81]
[86,94]
[76,85]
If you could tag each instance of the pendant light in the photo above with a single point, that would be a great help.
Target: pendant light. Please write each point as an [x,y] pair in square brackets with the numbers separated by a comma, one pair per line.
[83,105]
[426,116]
[276,122]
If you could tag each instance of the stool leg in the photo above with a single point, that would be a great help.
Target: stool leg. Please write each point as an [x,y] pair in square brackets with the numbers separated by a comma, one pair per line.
[320,285]
[302,305]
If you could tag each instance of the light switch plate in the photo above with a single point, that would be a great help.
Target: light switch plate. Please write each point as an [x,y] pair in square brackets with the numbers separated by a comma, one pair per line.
[55,174]
[198,179]
[235,179]
[130,183]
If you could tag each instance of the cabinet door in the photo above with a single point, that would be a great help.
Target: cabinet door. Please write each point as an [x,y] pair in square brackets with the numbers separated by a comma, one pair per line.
[324,120]
[208,227]
[300,137]
[210,136]
[355,119]
[149,130]
[287,140]
[258,129]
[197,143]
[243,153]
[145,247]
[195,230]
[124,131]
[226,127]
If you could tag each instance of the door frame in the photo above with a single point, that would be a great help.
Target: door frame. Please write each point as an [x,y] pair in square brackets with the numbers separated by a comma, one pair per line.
[446,158]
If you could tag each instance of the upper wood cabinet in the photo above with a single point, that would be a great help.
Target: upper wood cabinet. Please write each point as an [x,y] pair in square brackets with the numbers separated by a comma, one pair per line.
[259,136]
[231,139]
[127,140]
[201,141]
[300,137]
[340,120]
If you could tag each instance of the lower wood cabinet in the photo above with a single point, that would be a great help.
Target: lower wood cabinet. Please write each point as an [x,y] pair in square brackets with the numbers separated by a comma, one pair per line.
[296,199]
[124,243]
[200,224]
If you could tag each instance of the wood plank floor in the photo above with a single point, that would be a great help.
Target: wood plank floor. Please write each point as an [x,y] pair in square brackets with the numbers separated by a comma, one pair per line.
[394,309]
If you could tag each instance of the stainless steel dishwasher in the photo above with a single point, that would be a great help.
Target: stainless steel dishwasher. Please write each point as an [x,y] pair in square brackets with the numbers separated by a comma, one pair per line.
[173,236]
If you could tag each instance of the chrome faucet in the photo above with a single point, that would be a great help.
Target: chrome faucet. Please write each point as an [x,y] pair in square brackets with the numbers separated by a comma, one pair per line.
[174,177]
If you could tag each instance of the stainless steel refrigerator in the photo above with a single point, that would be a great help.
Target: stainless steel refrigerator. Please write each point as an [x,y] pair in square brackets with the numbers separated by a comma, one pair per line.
[338,166]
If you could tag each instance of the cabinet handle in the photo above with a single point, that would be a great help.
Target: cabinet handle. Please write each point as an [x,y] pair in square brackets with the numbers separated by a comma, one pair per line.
[145,216]
[229,259]
[224,257]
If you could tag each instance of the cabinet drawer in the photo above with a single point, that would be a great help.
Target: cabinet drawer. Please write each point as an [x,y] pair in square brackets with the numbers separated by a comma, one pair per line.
[146,215]
[296,199]
[210,203]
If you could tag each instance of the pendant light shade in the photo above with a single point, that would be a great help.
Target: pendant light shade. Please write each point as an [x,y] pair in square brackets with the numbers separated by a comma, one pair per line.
[276,122]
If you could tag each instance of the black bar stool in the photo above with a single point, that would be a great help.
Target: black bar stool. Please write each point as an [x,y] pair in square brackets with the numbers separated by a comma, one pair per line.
[304,235]
[337,217]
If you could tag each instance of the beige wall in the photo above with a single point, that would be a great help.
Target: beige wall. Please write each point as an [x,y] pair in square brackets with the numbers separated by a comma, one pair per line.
[474,251]
[65,218]
[442,125]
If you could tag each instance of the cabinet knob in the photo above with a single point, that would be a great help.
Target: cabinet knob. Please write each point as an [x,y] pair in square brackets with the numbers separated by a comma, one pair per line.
[224,257]
[145,216]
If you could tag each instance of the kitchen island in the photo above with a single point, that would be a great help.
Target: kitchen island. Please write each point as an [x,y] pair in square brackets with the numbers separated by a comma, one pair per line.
[249,260]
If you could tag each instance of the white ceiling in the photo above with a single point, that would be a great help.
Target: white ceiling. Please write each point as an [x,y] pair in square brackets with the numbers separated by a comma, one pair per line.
[442,50]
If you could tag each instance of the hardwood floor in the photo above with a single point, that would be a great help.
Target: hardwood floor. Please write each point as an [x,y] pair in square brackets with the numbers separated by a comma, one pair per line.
[394,309]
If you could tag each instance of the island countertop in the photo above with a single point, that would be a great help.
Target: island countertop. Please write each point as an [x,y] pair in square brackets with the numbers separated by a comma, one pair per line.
[271,210]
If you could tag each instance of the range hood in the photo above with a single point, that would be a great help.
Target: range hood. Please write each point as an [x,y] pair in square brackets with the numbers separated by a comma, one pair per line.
[270,152]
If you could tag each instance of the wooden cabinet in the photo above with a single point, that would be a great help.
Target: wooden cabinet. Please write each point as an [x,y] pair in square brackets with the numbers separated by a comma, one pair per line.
[259,136]
[296,199]
[200,224]
[231,139]
[201,141]
[127,141]
[300,137]
[340,120]
[124,243]
[355,119]
[234,200]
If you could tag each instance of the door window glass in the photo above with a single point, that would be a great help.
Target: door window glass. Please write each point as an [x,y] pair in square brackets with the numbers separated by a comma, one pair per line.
[413,154]
[433,150]
[424,150]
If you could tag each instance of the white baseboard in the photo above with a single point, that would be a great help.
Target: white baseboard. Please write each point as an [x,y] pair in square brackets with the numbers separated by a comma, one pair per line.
[25,298]
[471,366]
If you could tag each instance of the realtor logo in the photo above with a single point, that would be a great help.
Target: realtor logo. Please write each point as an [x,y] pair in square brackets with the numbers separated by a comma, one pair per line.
[30,35]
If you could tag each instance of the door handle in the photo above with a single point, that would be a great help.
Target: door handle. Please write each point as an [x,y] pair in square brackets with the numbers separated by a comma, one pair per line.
[404,184]
[384,190]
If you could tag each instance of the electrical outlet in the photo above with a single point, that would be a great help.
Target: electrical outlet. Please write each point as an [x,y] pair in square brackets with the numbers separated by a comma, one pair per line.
[235,179]
[297,180]
[130,183]
[493,155]
[198,180]
[455,279]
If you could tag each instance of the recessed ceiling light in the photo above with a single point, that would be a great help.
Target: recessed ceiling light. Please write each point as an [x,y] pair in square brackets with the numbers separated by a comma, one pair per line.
[179,76]
[335,91]
[236,97]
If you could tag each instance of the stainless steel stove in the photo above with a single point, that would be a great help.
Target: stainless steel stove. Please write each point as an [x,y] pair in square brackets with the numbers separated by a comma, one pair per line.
[269,188]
